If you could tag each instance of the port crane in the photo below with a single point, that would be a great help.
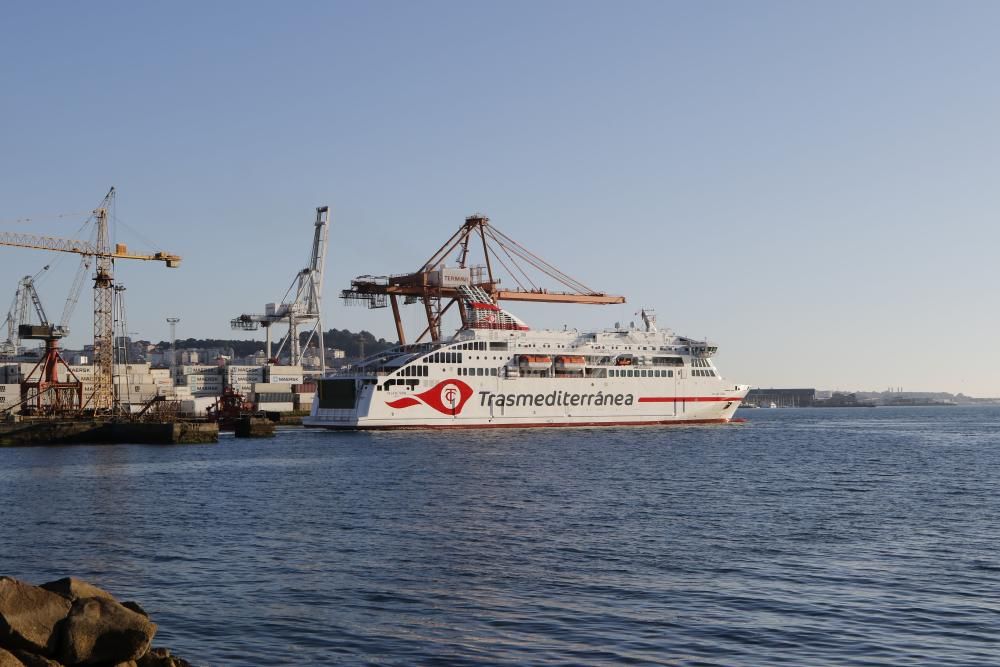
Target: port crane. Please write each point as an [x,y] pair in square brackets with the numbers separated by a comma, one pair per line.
[306,305]
[433,283]
[42,390]
[102,400]
[17,315]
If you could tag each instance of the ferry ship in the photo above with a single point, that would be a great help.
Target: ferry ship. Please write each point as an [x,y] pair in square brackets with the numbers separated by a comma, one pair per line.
[496,372]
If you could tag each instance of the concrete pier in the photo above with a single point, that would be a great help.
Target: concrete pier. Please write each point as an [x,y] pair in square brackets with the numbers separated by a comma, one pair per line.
[31,432]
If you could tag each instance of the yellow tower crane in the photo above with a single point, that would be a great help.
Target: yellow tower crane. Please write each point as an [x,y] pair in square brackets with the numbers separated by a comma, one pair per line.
[102,400]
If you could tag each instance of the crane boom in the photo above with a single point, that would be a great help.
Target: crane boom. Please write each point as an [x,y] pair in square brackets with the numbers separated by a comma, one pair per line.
[103,398]
[21,240]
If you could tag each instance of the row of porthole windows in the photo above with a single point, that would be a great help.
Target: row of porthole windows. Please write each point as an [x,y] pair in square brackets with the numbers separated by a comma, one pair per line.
[445,358]
[478,372]
[623,373]
[394,382]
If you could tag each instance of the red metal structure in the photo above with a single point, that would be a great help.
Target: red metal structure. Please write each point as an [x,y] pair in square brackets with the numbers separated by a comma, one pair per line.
[434,283]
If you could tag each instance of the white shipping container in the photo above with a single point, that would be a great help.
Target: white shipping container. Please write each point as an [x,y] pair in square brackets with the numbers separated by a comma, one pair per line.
[10,395]
[136,369]
[272,388]
[276,407]
[204,379]
[197,406]
[188,369]
[276,369]
[286,379]
[132,379]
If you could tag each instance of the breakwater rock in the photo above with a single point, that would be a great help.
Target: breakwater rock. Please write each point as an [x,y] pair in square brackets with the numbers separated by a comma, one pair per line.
[71,622]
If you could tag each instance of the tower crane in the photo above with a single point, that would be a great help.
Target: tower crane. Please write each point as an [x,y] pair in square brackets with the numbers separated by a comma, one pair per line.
[100,249]
[306,306]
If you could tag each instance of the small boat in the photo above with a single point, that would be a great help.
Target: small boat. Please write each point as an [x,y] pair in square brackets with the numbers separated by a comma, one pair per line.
[571,364]
[534,362]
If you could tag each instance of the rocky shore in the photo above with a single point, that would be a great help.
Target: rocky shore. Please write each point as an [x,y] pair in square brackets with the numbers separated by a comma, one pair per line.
[71,622]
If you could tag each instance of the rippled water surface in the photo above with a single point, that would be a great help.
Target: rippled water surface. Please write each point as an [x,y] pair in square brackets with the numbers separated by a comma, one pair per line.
[803,537]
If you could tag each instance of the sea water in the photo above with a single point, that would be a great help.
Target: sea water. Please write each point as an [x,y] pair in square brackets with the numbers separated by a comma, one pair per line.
[802,537]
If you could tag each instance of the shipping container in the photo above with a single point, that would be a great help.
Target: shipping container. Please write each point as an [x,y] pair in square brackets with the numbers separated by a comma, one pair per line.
[276,407]
[273,397]
[272,387]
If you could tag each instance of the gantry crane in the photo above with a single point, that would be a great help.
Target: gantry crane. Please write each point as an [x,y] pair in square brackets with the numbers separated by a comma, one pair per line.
[102,400]
[433,282]
[18,314]
[42,390]
[305,306]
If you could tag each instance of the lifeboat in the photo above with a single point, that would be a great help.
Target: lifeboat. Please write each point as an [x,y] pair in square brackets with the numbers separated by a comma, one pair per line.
[571,364]
[534,362]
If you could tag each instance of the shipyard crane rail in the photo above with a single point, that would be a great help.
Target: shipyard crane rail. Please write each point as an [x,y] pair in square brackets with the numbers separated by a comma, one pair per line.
[433,283]
[102,400]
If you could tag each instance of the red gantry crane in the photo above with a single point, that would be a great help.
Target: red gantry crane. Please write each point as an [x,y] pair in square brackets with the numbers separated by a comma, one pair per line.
[434,283]
[102,400]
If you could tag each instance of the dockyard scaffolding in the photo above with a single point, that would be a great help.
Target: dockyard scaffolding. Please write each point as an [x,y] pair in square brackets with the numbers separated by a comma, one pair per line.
[438,287]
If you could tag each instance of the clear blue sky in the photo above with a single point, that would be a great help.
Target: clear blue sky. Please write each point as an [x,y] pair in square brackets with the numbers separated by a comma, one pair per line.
[812,185]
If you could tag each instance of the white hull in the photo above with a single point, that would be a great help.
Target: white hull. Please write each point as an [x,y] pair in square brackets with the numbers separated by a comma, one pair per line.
[474,381]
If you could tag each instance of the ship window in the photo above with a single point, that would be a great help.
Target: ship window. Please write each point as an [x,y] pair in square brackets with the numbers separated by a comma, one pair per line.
[498,346]
[493,372]
[670,374]
[479,371]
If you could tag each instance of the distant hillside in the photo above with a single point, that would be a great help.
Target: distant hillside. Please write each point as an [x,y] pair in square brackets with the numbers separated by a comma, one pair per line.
[343,339]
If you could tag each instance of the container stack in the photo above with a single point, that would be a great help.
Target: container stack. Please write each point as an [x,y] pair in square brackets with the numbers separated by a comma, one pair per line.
[286,374]
[273,397]
[83,373]
[302,396]
[10,394]
[242,378]
[203,383]
[134,384]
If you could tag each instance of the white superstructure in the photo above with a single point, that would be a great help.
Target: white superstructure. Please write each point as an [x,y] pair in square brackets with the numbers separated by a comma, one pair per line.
[496,372]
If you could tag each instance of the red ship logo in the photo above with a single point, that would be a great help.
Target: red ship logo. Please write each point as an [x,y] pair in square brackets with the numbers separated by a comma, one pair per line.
[447,397]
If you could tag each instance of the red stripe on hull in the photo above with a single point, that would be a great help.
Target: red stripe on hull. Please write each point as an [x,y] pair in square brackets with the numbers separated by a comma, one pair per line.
[442,427]
[692,399]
